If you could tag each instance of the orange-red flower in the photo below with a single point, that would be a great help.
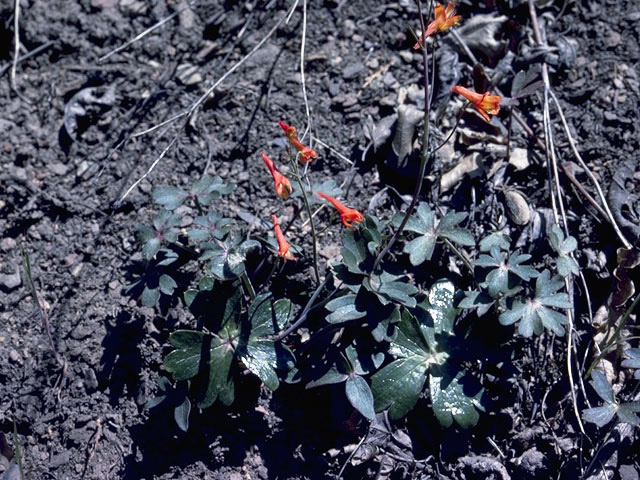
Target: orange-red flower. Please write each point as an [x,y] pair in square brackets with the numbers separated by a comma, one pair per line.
[444,19]
[283,246]
[282,185]
[347,214]
[289,131]
[306,154]
[485,104]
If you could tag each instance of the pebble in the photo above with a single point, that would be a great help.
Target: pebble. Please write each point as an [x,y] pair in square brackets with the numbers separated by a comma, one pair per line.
[8,243]
[58,168]
[407,56]
[352,70]
[14,356]
[10,281]
[517,208]
[189,74]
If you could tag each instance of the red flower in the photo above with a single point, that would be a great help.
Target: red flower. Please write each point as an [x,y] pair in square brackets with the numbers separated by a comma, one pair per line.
[444,19]
[485,104]
[347,214]
[289,131]
[282,185]
[306,154]
[283,245]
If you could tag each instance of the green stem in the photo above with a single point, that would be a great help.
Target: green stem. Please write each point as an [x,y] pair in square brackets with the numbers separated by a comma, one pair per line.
[294,165]
[248,285]
[459,254]
[425,151]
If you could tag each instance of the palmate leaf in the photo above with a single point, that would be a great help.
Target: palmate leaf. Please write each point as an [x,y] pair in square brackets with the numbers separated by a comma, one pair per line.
[627,412]
[499,280]
[169,197]
[419,353]
[564,247]
[423,222]
[399,385]
[478,300]
[208,227]
[535,314]
[209,357]
[391,288]
[163,230]
[226,257]
[453,398]
[208,189]
[260,354]
[600,415]
[345,308]
[633,361]
[495,239]
[205,190]
[360,396]
[192,349]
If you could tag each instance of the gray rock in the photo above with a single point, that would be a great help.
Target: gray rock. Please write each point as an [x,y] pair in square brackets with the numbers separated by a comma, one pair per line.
[10,281]
[352,70]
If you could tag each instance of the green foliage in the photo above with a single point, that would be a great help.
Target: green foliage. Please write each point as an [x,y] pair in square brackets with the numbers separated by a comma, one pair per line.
[423,222]
[245,336]
[500,279]
[226,257]
[633,361]
[626,412]
[565,264]
[536,314]
[174,397]
[374,295]
[163,231]
[421,351]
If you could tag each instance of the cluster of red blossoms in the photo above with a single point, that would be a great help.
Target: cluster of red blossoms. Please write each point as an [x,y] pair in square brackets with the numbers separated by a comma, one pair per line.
[444,19]
[486,104]
[283,188]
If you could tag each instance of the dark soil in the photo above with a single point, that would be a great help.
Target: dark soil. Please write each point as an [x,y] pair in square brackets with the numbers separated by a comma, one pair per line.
[67,156]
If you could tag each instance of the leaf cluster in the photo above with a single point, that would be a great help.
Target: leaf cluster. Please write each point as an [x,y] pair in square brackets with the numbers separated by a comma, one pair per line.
[506,284]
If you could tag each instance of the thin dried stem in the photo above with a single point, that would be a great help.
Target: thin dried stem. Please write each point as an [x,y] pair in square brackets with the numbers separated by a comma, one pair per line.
[552,167]
[198,103]
[144,33]
[303,44]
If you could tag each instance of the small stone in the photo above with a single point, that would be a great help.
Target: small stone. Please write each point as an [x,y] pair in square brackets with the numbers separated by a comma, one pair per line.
[7,244]
[519,158]
[70,259]
[407,56]
[188,74]
[104,3]
[517,208]
[90,380]
[10,281]
[81,332]
[75,271]
[20,174]
[136,7]
[352,70]
[628,472]
[613,39]
[14,356]
[58,168]
[82,168]
[60,459]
